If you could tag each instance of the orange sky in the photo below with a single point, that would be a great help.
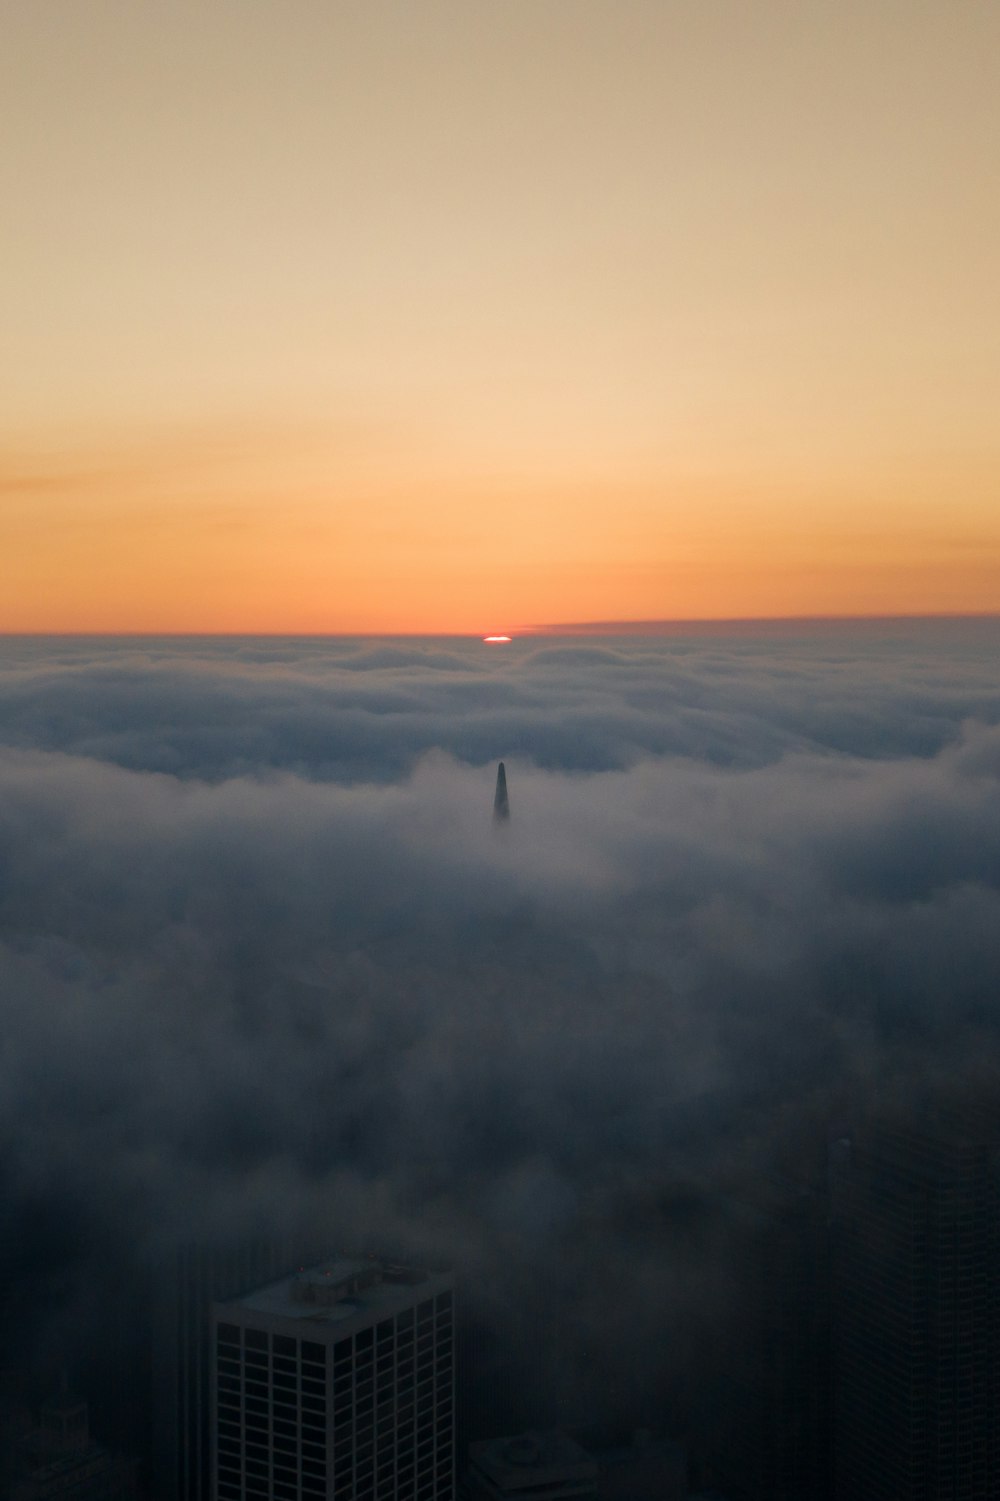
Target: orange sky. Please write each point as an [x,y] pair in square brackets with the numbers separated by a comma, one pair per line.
[460,317]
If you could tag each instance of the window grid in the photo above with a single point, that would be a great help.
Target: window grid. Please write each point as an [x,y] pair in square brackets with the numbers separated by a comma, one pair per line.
[387,1392]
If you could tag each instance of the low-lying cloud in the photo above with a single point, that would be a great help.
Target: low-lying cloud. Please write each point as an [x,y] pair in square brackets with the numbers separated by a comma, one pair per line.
[265,960]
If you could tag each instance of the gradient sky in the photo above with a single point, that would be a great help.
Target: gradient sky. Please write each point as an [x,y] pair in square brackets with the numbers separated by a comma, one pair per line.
[462,316]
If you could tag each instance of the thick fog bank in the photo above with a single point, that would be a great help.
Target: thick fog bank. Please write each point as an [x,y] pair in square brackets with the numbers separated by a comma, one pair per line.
[265,961]
[349,711]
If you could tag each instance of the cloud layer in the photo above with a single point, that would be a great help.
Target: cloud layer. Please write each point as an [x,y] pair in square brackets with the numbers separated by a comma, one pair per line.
[265,960]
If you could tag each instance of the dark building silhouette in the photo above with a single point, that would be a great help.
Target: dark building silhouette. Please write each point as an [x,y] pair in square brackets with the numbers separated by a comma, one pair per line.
[768,1434]
[184,1285]
[534,1466]
[916,1285]
[56,1459]
[501,805]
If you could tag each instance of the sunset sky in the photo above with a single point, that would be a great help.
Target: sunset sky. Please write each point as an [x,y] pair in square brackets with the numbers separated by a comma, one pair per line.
[375,315]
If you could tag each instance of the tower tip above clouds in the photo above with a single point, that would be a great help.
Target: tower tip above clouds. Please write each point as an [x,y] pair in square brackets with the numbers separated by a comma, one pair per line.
[501,805]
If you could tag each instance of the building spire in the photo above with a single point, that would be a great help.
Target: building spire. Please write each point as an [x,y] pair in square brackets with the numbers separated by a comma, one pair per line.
[501,807]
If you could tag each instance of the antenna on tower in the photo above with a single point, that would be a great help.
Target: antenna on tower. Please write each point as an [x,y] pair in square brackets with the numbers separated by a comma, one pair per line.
[501,807]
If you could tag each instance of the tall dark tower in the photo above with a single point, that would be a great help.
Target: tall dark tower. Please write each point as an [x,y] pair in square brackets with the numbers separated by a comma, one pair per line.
[184,1286]
[501,807]
[917,1307]
[767,1427]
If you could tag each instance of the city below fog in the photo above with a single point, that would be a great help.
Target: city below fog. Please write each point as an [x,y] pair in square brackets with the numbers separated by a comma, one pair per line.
[363,1141]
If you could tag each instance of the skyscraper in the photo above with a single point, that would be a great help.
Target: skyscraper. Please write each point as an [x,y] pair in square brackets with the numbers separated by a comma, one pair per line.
[336,1381]
[767,1426]
[183,1287]
[501,802]
[916,1298]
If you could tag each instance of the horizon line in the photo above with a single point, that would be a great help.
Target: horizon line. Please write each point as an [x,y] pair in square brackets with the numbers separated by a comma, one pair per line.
[717,624]
[683,625]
